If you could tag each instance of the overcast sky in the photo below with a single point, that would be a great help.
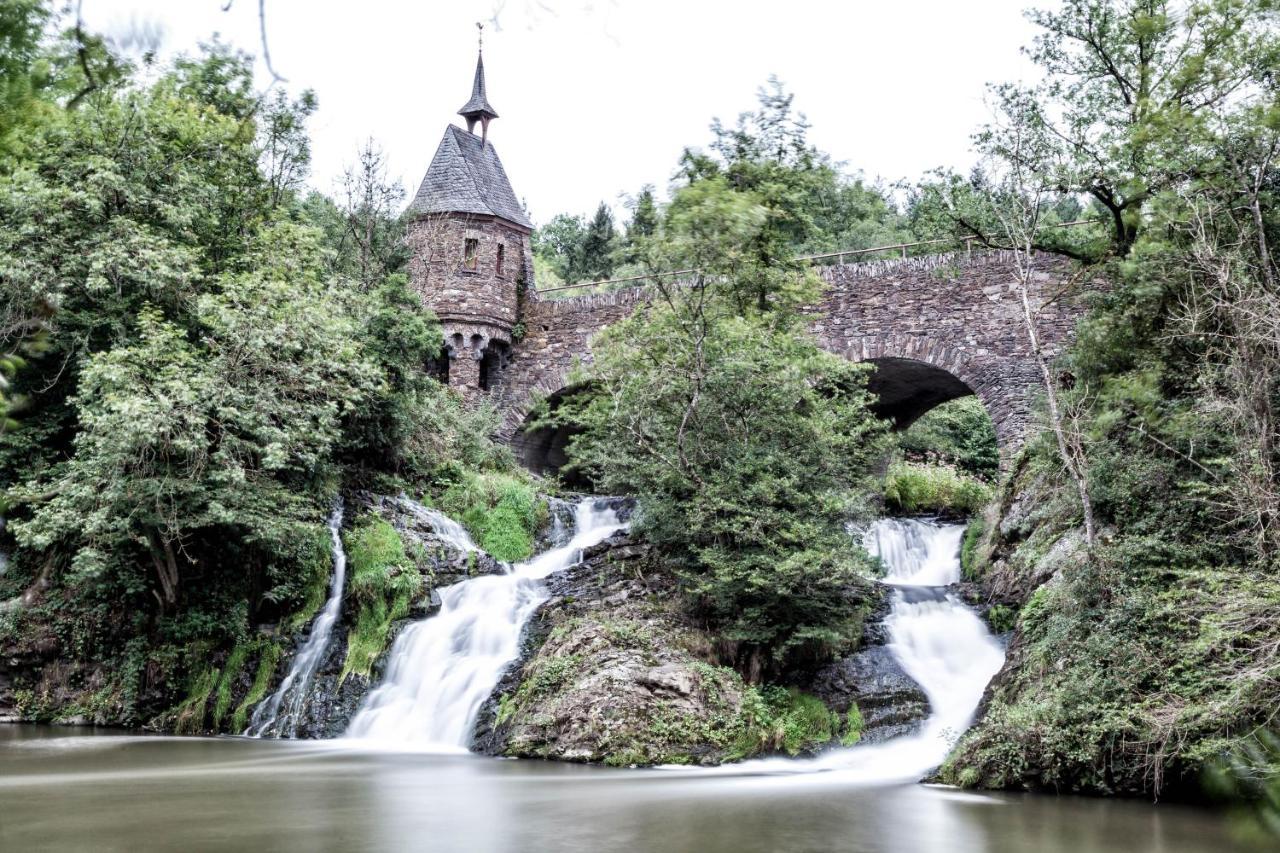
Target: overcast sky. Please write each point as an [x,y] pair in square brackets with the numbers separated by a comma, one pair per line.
[598,97]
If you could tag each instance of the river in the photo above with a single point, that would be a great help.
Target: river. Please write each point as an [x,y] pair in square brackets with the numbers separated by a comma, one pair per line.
[402,778]
[80,790]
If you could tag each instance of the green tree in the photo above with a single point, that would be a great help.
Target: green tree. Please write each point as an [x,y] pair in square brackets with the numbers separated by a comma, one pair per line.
[958,433]
[748,447]
[559,244]
[644,216]
[1127,88]
[599,245]
[228,429]
[813,205]
[642,225]
[1168,117]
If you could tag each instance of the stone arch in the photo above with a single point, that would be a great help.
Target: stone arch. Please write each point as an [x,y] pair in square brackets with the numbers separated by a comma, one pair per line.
[914,373]
[543,450]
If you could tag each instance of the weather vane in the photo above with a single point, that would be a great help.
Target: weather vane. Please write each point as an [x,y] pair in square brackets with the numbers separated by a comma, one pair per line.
[480,27]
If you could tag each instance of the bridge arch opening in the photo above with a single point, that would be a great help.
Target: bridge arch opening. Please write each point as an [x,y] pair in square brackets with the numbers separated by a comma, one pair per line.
[905,388]
[939,417]
[544,449]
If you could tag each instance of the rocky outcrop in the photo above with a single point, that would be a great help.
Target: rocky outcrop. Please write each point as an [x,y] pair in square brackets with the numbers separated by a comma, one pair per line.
[889,700]
[891,703]
[612,672]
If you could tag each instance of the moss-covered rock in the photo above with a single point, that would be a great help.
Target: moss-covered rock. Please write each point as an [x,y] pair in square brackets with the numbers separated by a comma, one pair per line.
[615,673]
[1126,670]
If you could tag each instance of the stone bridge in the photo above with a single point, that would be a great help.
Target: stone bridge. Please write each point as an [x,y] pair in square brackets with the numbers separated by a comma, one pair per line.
[936,327]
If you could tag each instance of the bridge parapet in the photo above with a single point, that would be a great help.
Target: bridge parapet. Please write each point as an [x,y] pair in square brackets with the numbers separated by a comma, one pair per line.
[936,326]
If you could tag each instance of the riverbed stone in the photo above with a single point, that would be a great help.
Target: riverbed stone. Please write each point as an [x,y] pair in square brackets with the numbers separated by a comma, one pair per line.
[890,701]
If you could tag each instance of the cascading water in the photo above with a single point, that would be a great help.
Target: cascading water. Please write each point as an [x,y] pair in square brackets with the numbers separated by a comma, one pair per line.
[445,527]
[443,668]
[938,641]
[279,715]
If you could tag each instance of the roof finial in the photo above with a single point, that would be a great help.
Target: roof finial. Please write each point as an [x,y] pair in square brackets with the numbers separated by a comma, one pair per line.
[478,109]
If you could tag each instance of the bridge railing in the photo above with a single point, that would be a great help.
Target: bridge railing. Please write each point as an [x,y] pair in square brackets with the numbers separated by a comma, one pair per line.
[839,257]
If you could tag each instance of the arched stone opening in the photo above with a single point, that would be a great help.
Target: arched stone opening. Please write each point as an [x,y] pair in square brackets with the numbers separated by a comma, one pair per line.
[906,388]
[494,360]
[543,449]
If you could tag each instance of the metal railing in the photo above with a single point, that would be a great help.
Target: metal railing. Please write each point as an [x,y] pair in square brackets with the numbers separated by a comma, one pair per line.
[847,253]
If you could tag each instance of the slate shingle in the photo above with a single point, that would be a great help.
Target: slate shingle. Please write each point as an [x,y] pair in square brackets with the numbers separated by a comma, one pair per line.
[466,176]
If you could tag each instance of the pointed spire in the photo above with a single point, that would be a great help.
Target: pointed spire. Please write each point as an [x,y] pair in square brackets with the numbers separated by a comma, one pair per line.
[478,109]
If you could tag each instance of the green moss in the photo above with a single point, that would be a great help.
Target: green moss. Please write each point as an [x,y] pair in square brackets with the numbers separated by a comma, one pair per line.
[914,487]
[268,660]
[501,511]
[319,569]
[853,725]
[547,676]
[1034,611]
[230,672]
[1002,618]
[384,583]
[969,561]
[189,716]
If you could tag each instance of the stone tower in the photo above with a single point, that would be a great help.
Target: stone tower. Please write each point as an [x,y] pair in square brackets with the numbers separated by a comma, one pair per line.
[469,240]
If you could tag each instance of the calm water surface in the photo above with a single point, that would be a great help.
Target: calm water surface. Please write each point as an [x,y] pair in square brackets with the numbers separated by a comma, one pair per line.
[66,789]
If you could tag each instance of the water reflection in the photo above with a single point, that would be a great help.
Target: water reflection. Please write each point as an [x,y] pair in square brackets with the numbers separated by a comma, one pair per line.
[63,790]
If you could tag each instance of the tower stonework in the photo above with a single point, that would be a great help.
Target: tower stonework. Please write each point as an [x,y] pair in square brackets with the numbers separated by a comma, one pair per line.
[468,238]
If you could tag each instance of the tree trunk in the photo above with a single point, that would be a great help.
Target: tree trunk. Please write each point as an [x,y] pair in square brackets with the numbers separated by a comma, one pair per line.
[166,568]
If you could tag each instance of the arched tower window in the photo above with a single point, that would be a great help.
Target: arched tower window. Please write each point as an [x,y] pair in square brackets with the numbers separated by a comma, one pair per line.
[471,254]
[502,251]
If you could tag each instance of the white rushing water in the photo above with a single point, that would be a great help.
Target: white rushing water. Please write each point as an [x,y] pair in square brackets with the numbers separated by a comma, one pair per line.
[937,639]
[445,527]
[279,715]
[443,668]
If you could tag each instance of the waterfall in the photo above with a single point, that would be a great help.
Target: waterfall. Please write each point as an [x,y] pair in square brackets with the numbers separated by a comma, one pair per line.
[443,668]
[279,715]
[445,527]
[938,640]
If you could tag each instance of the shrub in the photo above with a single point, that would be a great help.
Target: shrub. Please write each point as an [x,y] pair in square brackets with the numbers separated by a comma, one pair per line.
[913,487]
[959,433]
[384,582]
[780,719]
[501,511]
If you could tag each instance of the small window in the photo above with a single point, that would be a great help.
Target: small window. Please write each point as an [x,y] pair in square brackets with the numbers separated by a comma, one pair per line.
[471,254]
[502,251]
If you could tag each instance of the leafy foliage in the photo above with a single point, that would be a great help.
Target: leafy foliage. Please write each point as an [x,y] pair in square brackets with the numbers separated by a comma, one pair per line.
[911,487]
[1155,654]
[747,446]
[957,433]
[204,361]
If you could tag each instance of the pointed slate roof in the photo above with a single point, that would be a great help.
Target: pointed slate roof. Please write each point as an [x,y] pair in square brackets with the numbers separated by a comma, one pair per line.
[466,176]
[479,104]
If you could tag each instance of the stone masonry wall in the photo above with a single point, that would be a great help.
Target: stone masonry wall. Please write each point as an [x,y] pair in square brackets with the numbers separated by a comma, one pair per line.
[437,272]
[476,306]
[957,312]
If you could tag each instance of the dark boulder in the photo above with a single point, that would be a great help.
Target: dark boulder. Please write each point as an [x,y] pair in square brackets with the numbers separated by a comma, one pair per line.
[891,703]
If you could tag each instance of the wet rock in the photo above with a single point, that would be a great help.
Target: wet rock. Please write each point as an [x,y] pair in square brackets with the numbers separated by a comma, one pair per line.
[606,673]
[874,630]
[891,702]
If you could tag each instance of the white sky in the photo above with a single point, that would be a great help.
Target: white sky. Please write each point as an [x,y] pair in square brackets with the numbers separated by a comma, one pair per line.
[598,97]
